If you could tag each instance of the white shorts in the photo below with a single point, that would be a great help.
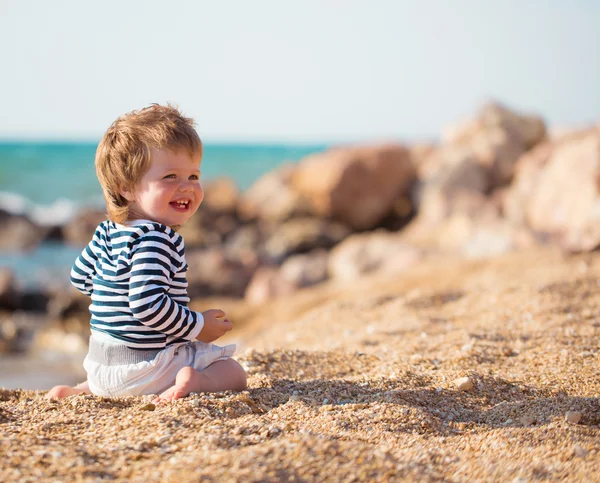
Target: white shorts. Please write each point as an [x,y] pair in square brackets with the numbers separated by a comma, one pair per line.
[106,378]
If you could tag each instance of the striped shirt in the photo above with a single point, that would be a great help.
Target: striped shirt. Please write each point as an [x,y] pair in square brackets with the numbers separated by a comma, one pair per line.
[136,277]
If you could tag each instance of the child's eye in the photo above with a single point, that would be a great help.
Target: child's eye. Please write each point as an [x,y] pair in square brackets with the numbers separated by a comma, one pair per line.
[194,177]
[169,176]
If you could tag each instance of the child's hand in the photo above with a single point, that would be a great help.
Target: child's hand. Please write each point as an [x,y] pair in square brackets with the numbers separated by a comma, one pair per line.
[215,325]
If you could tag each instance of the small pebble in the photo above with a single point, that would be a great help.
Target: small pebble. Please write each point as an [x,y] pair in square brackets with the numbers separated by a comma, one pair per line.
[527,420]
[162,439]
[196,402]
[148,407]
[573,416]
[463,383]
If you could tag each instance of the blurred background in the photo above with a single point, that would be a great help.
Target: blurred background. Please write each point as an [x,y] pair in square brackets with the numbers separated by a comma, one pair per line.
[433,105]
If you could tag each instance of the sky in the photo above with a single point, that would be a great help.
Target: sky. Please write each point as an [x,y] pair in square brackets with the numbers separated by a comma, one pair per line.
[288,71]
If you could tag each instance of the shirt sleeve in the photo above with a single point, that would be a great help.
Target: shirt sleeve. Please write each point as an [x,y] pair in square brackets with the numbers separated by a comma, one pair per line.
[83,270]
[152,264]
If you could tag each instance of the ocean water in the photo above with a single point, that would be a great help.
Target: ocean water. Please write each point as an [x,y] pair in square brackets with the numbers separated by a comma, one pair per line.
[51,181]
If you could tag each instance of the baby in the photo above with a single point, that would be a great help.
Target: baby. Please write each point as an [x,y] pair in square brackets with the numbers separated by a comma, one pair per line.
[144,338]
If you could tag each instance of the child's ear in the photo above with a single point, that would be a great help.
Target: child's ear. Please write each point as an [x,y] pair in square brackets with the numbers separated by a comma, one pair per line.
[128,195]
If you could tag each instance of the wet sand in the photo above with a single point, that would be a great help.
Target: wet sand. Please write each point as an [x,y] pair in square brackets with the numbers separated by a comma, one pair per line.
[452,371]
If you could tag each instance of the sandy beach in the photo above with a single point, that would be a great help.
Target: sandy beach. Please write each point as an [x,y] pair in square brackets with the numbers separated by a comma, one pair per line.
[452,371]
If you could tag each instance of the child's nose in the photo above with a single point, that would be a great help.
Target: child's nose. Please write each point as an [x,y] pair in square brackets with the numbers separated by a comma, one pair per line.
[186,186]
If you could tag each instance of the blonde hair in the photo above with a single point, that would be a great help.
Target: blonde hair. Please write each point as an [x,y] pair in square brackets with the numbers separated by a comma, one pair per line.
[123,155]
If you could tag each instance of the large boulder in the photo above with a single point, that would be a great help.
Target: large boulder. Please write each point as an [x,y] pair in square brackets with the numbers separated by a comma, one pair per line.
[496,137]
[271,198]
[558,191]
[463,181]
[357,186]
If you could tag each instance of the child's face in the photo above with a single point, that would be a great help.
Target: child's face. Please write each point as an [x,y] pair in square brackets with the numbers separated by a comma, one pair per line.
[170,191]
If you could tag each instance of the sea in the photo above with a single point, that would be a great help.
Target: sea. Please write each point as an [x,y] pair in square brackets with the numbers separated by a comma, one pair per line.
[51,181]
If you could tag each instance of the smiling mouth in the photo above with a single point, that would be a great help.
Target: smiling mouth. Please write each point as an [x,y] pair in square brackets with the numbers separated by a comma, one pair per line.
[180,205]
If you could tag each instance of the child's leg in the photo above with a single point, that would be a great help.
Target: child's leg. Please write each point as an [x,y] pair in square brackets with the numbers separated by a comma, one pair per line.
[59,392]
[219,376]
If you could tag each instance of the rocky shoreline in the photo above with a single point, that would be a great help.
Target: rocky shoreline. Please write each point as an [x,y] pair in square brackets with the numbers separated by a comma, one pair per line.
[496,182]
[405,313]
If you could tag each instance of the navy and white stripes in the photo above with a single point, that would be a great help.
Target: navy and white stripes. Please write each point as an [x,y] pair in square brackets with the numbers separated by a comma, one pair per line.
[136,276]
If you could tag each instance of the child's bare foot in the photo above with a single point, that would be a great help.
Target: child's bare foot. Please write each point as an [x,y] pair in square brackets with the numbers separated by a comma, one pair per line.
[184,384]
[60,392]
[219,376]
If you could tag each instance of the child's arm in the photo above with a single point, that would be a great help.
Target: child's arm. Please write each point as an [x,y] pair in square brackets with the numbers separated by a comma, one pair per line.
[149,285]
[83,269]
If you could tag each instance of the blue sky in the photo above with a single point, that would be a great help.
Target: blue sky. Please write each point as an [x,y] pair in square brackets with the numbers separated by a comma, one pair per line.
[295,71]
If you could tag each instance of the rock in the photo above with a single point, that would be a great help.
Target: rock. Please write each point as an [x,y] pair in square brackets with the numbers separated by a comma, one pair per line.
[271,198]
[212,272]
[531,129]
[357,186]
[301,235]
[527,420]
[221,196]
[296,272]
[421,156]
[18,232]
[496,137]
[558,192]
[243,244]
[79,230]
[452,190]
[369,252]
[200,230]
[148,407]
[573,417]
[527,171]
[306,269]
[65,304]
[9,295]
[267,284]
[12,298]
[463,383]
[162,439]
[34,300]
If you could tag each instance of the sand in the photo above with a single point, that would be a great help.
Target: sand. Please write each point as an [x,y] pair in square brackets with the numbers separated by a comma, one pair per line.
[453,371]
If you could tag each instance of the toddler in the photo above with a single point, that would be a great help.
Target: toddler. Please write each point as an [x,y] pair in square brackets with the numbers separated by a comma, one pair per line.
[144,338]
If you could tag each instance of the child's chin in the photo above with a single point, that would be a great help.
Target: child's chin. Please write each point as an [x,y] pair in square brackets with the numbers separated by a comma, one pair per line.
[178,220]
